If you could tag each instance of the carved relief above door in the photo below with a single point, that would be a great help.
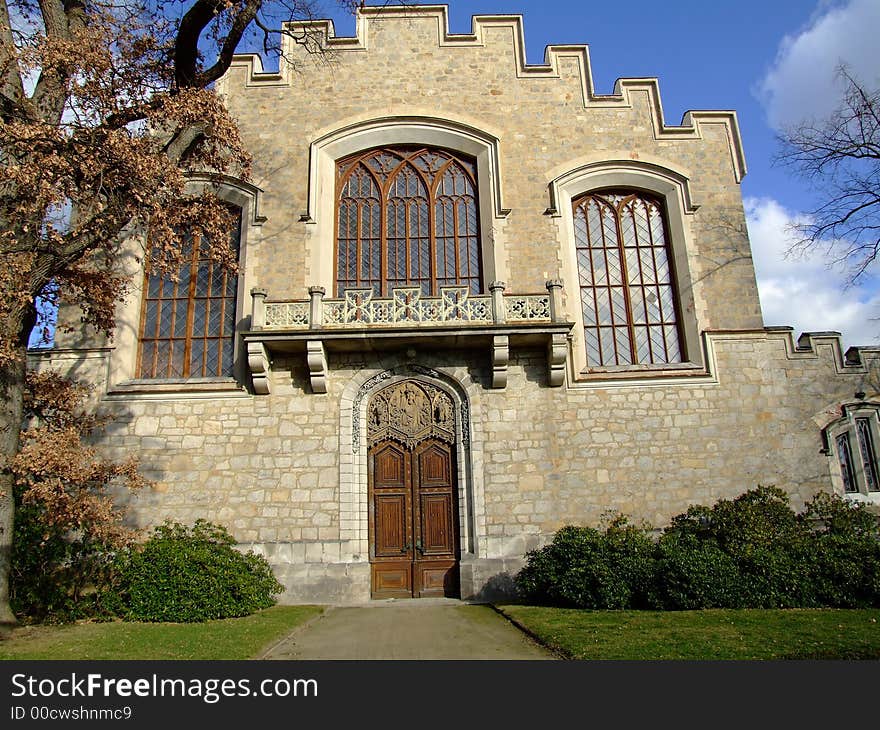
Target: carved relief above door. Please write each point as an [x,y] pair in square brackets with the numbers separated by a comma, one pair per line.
[413,493]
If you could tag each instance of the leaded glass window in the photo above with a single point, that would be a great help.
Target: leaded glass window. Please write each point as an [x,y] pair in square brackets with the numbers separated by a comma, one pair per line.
[866,451]
[188,321]
[407,217]
[628,297]
[844,458]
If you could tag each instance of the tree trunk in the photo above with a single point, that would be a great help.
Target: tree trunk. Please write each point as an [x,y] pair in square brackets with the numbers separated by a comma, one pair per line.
[12,385]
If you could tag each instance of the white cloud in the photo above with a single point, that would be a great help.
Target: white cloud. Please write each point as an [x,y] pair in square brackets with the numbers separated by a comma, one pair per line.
[803,292]
[801,84]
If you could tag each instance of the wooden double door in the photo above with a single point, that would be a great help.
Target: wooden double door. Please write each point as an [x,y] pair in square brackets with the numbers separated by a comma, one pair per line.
[414,548]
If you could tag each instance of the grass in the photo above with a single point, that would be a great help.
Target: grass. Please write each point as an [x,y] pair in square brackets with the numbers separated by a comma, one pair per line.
[640,635]
[712,634]
[235,638]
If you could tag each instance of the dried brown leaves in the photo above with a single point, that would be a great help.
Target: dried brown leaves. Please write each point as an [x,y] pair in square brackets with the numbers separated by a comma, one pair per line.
[68,479]
[101,148]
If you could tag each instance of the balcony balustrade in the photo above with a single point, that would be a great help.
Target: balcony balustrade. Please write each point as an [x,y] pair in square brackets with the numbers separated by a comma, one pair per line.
[360,319]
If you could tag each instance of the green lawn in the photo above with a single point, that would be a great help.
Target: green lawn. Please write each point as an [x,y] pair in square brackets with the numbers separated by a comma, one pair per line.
[234,638]
[714,634]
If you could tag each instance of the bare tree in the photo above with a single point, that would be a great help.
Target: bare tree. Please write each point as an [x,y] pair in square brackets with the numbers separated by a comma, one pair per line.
[105,105]
[840,157]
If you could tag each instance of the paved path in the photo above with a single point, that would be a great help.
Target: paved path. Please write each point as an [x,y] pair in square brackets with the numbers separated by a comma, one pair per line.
[408,629]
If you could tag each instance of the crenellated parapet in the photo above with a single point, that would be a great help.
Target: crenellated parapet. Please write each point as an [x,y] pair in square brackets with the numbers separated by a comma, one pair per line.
[559,60]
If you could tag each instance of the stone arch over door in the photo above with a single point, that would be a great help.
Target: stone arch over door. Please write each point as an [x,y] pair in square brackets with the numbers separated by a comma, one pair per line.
[467,452]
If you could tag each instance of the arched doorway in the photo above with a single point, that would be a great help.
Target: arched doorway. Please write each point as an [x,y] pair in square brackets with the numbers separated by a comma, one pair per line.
[413,510]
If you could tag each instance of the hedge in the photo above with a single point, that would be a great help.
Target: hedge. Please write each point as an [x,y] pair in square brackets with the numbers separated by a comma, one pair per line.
[750,552]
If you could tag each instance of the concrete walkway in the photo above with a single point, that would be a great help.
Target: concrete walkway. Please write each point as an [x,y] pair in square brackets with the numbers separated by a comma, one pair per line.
[408,629]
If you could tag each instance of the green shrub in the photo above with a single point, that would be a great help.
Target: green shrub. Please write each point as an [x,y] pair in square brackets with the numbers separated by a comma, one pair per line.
[695,574]
[586,568]
[844,552]
[763,541]
[186,574]
[753,551]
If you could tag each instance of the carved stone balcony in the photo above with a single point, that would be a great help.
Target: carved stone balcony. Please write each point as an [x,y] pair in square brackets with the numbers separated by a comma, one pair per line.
[407,319]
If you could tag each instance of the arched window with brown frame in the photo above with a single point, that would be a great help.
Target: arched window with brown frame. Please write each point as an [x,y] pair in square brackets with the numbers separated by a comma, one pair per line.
[629,301]
[407,217]
[188,320]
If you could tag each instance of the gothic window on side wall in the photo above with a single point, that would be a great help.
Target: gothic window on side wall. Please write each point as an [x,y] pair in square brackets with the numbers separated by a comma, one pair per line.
[626,278]
[407,217]
[852,444]
[188,320]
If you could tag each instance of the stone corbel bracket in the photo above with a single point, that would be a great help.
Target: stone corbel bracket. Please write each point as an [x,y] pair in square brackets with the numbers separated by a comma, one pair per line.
[258,362]
[557,353]
[316,357]
[500,359]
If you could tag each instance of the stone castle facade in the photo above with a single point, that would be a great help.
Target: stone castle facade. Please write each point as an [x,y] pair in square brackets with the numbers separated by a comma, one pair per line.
[477,301]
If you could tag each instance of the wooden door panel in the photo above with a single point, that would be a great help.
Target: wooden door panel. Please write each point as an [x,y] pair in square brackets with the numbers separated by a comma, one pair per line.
[390,467]
[436,525]
[435,570]
[436,578]
[435,467]
[413,525]
[392,580]
[391,551]
[390,514]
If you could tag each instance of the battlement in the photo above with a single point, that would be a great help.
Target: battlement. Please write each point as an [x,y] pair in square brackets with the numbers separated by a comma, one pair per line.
[307,41]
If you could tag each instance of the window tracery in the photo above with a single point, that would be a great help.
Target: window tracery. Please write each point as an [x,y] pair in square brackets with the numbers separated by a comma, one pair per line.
[851,441]
[407,217]
[626,278]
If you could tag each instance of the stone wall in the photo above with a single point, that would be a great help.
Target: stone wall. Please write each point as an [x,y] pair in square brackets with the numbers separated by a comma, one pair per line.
[269,467]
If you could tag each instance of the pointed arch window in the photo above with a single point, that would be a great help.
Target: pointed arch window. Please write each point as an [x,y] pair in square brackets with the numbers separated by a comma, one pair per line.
[851,441]
[407,217]
[188,321]
[627,283]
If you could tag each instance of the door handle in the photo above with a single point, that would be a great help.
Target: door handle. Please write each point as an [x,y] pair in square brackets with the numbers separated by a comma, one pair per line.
[419,547]
[406,548]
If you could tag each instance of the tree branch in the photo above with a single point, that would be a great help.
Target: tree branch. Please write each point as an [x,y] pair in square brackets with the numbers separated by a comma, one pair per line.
[11,86]
[62,19]
[183,139]
[186,45]
[239,25]
[842,159]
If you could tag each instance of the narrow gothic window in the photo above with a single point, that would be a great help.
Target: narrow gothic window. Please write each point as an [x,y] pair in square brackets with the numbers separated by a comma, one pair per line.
[869,457]
[188,321]
[407,217]
[845,460]
[628,297]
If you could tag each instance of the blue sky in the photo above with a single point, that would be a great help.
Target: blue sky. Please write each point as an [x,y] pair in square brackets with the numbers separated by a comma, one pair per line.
[774,63]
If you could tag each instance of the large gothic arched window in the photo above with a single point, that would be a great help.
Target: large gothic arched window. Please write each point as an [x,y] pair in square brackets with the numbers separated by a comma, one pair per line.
[407,216]
[628,296]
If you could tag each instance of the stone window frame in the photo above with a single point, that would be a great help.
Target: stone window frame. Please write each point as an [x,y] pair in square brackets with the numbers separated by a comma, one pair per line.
[360,136]
[845,429]
[672,189]
[122,366]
